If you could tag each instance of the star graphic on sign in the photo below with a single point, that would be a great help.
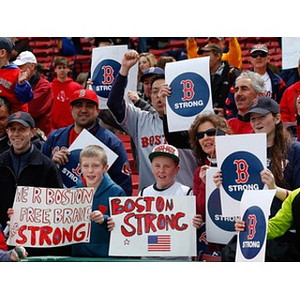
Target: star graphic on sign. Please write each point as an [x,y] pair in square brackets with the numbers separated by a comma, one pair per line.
[126,242]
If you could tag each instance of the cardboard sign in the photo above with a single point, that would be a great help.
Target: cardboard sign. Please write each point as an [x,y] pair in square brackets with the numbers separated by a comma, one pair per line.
[71,170]
[191,92]
[255,210]
[290,52]
[219,227]
[241,158]
[153,226]
[106,64]
[46,217]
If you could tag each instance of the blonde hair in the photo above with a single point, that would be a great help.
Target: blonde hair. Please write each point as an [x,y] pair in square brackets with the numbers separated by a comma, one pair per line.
[94,151]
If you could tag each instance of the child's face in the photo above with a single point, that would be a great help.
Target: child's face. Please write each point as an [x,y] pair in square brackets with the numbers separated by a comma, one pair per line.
[164,170]
[61,71]
[92,170]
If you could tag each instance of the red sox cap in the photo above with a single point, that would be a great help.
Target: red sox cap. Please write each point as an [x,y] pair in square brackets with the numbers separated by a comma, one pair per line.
[165,149]
[21,117]
[262,106]
[86,95]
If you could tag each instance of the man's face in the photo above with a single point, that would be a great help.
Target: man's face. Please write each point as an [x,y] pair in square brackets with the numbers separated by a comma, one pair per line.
[19,137]
[28,66]
[4,115]
[214,59]
[158,103]
[244,94]
[84,113]
[259,59]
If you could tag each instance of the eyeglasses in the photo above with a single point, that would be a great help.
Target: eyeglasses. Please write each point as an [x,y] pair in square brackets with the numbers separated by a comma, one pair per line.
[209,132]
[256,54]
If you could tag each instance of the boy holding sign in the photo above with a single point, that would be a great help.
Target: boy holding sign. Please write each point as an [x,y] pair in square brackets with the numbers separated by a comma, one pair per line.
[93,161]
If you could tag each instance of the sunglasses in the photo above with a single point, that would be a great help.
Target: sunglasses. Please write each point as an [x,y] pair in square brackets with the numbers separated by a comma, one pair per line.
[256,54]
[209,132]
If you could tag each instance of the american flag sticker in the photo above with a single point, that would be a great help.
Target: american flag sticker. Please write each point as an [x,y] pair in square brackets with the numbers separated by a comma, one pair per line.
[159,243]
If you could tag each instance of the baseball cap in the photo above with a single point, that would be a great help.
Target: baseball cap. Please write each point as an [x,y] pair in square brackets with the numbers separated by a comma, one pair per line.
[165,149]
[85,94]
[21,117]
[25,57]
[152,71]
[259,47]
[262,105]
[210,47]
[6,44]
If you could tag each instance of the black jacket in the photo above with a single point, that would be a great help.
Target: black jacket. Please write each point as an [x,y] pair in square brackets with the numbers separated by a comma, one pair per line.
[40,171]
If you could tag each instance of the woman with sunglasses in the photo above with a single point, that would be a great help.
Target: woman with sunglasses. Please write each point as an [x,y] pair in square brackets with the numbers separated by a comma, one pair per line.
[202,135]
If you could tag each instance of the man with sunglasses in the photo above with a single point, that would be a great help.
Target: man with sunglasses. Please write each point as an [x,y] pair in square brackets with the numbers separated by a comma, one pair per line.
[260,59]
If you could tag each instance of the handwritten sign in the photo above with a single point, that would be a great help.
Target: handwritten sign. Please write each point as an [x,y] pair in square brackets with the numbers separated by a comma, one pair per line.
[46,217]
[154,226]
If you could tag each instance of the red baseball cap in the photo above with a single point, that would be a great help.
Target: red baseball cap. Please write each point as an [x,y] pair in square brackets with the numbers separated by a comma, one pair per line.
[86,95]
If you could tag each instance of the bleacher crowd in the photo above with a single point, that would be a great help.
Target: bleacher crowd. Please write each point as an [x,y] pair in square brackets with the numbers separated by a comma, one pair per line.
[45,104]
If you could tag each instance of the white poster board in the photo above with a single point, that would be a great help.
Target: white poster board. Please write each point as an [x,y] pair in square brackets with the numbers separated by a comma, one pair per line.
[153,226]
[219,227]
[46,217]
[190,92]
[241,158]
[290,52]
[255,211]
[105,66]
[71,170]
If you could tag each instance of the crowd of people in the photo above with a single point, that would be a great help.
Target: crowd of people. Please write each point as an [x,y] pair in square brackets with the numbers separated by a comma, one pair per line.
[39,120]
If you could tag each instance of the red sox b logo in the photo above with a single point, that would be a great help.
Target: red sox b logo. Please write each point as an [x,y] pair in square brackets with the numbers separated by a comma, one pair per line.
[241,170]
[188,90]
[251,227]
[108,75]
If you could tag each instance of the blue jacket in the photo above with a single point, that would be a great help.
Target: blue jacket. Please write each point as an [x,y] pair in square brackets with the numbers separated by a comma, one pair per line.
[99,239]
[119,171]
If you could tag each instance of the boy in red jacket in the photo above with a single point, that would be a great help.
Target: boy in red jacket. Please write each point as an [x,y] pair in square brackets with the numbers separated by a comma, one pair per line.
[13,81]
[63,88]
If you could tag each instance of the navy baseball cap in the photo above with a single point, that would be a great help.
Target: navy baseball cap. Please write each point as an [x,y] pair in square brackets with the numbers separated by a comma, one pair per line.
[6,44]
[21,117]
[152,71]
[262,106]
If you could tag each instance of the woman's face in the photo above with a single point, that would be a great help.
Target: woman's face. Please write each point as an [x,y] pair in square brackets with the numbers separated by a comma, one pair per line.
[207,143]
[265,124]
[144,63]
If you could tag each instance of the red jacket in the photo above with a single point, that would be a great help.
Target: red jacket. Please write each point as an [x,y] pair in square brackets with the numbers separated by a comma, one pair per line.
[41,104]
[199,192]
[18,95]
[288,102]
[63,92]
[239,126]
[3,245]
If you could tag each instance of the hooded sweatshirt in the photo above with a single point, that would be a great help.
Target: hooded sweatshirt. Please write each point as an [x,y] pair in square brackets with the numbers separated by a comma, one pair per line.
[100,237]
